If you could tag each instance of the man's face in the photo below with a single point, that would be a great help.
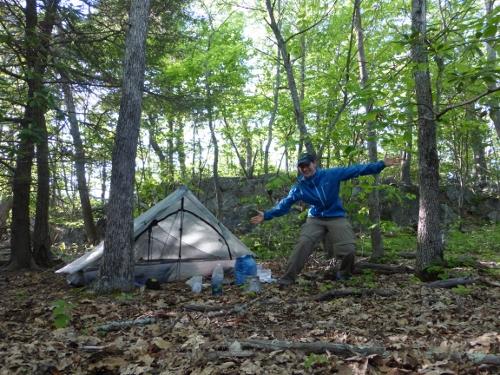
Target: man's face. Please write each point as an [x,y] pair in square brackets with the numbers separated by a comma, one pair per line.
[307,170]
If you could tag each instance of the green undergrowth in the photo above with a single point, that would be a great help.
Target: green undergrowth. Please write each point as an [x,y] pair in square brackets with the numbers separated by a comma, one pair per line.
[275,238]
[464,247]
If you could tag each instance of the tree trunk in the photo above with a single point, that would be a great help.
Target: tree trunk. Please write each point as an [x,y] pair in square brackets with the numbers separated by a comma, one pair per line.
[79,159]
[104,179]
[249,155]
[33,130]
[292,86]
[215,165]
[5,207]
[493,102]
[181,152]
[117,268]
[41,237]
[241,161]
[274,110]
[408,136]
[373,199]
[429,243]
[478,146]
[170,151]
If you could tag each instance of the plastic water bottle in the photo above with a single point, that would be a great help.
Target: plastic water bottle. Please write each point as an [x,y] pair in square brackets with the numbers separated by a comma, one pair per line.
[253,284]
[217,278]
[245,266]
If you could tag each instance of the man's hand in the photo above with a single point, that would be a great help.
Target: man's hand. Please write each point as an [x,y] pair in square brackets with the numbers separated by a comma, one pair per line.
[258,219]
[389,162]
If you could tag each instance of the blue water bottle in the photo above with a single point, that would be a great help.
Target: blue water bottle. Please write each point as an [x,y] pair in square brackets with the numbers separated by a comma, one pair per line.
[245,266]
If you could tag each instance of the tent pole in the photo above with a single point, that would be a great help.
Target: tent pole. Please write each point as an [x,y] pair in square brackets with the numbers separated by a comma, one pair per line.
[181,228]
[150,231]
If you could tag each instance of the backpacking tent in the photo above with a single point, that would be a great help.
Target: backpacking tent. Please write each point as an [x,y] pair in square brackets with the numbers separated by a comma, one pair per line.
[174,240]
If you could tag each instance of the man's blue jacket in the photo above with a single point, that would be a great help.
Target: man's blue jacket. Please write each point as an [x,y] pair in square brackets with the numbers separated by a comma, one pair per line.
[321,191]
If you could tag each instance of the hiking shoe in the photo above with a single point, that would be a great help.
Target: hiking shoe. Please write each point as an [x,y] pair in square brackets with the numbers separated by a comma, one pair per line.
[336,276]
[284,283]
[342,277]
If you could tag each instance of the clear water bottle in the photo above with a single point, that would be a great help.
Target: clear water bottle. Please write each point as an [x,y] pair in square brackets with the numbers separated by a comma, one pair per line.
[253,284]
[217,279]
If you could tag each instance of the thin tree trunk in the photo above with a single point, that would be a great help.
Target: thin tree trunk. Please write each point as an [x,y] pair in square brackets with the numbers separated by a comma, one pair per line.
[181,152]
[241,161]
[373,199]
[274,110]
[408,136]
[170,151]
[79,159]
[215,165]
[249,155]
[345,98]
[429,242]
[493,102]
[477,143]
[292,86]
[117,268]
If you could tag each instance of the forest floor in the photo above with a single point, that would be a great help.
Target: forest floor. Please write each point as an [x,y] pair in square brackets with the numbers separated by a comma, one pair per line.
[411,329]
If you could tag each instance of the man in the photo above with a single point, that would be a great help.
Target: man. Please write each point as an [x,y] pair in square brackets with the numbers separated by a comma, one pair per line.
[320,189]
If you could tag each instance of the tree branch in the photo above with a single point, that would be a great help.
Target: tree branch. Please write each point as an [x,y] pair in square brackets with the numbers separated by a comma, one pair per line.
[472,100]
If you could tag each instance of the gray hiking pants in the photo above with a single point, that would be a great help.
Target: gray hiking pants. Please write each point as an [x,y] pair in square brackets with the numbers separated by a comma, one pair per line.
[339,234]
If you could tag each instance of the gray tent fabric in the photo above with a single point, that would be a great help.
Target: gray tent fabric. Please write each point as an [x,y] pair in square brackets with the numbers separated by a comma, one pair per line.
[175,239]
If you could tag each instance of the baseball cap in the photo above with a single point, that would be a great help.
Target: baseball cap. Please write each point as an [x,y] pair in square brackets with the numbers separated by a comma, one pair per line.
[306,159]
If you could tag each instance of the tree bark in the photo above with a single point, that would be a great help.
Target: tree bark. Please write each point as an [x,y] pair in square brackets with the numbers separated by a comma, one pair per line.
[274,110]
[33,130]
[292,86]
[373,198]
[170,151]
[79,159]
[41,236]
[5,207]
[478,146]
[408,136]
[117,268]
[215,164]
[493,102]
[181,152]
[429,243]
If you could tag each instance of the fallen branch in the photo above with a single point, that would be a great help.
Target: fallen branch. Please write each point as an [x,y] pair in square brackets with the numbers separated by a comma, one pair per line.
[450,283]
[383,268]
[476,357]
[229,354]
[484,280]
[214,311]
[206,308]
[314,347]
[340,293]
[483,359]
[117,325]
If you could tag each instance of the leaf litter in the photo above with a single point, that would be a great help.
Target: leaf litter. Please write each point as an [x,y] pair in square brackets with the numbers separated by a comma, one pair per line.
[421,330]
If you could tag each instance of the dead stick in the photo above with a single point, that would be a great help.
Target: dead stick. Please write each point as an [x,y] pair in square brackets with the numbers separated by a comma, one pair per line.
[313,347]
[339,293]
[117,325]
[450,283]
